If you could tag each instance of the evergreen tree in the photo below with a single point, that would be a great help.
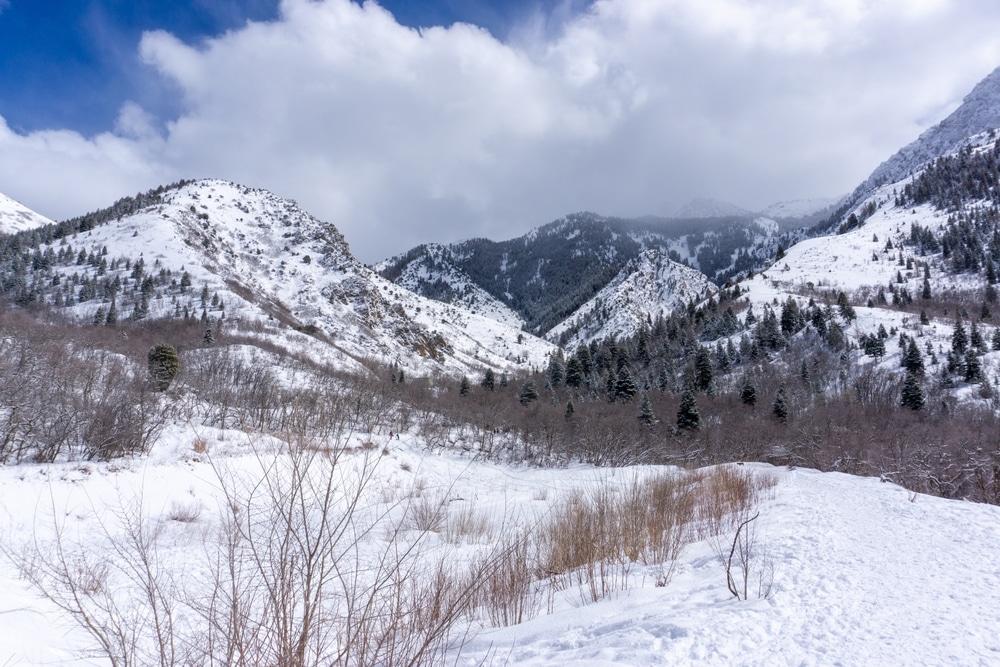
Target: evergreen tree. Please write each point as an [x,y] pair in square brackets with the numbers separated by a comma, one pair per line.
[488,380]
[586,360]
[976,339]
[463,387]
[112,317]
[722,361]
[959,339]
[528,393]
[703,375]
[912,360]
[995,342]
[556,371]
[748,394]
[574,372]
[625,386]
[973,369]
[687,414]
[913,395]
[846,309]
[209,337]
[646,411]
[163,364]
[780,407]
[569,409]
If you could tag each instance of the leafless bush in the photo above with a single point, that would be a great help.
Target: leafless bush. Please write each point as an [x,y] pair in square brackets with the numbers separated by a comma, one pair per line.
[119,592]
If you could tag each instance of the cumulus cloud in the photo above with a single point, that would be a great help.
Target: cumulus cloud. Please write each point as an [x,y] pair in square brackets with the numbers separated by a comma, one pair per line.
[632,107]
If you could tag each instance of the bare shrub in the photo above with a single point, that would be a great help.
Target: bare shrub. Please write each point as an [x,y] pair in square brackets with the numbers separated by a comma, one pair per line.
[120,592]
[509,593]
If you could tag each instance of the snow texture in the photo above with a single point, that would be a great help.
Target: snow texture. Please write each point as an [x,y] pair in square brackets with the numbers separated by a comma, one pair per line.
[15,217]
[648,287]
[273,263]
[865,573]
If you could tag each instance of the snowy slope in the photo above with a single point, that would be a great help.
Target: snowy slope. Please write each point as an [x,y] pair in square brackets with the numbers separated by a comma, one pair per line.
[269,261]
[859,264]
[649,286]
[979,112]
[865,573]
[15,217]
[434,273]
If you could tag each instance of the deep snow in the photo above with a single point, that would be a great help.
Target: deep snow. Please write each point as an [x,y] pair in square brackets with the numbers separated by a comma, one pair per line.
[865,572]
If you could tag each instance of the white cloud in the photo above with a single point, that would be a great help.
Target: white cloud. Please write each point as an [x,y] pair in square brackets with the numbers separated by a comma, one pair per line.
[400,136]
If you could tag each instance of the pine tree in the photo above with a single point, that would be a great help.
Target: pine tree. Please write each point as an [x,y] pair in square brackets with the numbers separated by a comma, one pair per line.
[625,387]
[463,387]
[913,395]
[996,339]
[528,393]
[574,372]
[112,317]
[976,339]
[687,414]
[569,410]
[780,408]
[209,337]
[912,360]
[959,339]
[556,371]
[748,394]
[703,375]
[973,369]
[489,380]
[646,411]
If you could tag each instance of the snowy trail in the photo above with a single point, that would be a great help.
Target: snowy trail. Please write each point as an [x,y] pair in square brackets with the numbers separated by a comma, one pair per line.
[863,576]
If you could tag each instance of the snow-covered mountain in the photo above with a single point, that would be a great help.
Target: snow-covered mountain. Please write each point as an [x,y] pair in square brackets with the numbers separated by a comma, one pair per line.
[544,276]
[650,286]
[434,273]
[260,258]
[979,112]
[16,217]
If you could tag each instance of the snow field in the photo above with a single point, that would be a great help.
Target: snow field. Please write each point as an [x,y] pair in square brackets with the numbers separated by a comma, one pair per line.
[865,573]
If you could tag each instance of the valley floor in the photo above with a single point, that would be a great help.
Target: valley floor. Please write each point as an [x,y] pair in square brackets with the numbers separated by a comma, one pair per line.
[865,573]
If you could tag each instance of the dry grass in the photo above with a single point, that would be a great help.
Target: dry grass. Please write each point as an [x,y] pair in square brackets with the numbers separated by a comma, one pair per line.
[466,524]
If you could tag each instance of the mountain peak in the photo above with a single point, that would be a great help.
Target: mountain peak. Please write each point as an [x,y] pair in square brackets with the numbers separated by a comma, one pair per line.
[16,217]
[979,112]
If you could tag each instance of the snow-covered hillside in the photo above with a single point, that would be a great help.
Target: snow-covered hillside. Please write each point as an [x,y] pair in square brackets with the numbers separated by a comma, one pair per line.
[16,217]
[433,273]
[864,573]
[268,261]
[866,262]
[649,287]
[979,112]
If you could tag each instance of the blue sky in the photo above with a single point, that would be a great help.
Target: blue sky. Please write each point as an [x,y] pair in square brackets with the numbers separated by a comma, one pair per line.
[71,63]
[524,111]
